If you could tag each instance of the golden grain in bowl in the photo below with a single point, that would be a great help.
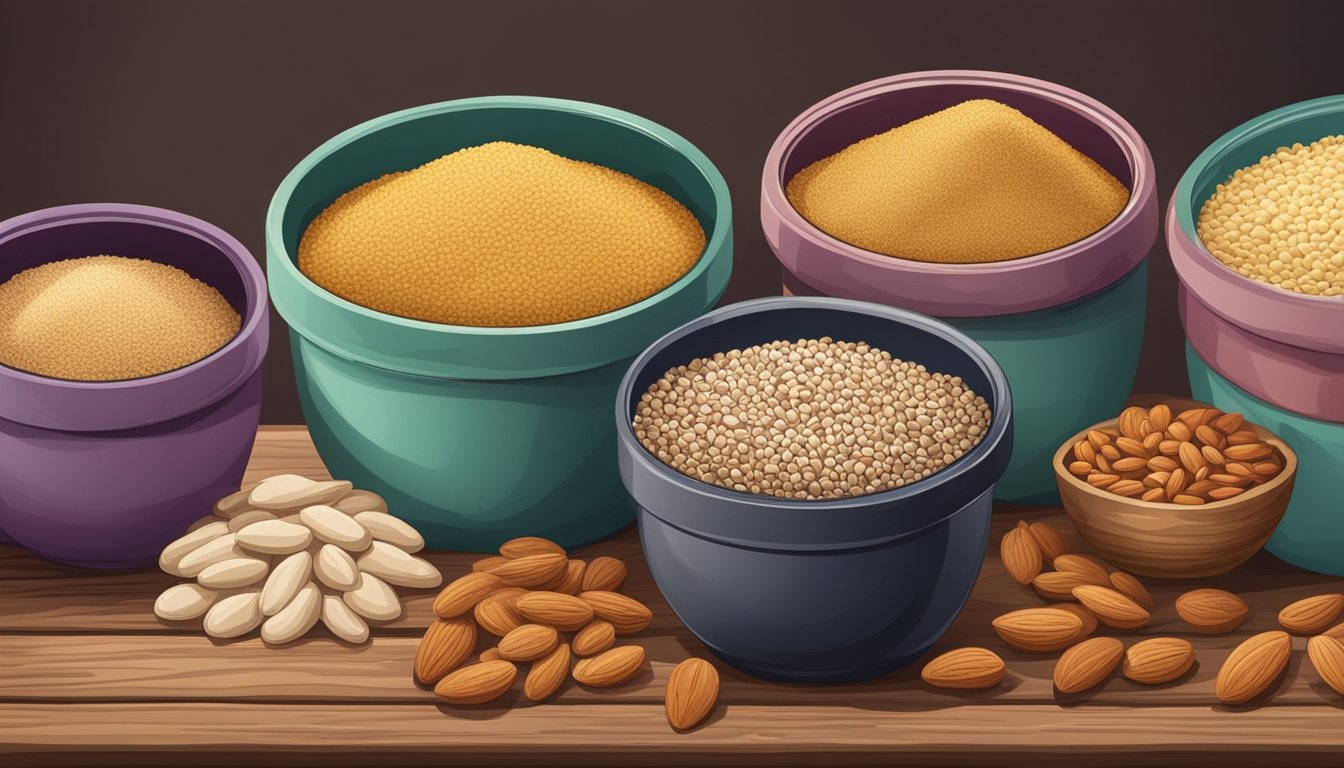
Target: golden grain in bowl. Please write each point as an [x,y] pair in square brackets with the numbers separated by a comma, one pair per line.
[1199,526]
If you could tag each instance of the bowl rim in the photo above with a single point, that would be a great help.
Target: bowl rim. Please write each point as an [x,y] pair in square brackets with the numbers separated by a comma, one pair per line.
[1142,187]
[1181,208]
[1273,486]
[715,240]
[998,428]
[247,268]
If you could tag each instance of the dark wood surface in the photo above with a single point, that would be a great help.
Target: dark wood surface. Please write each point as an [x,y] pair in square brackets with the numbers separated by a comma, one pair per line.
[89,675]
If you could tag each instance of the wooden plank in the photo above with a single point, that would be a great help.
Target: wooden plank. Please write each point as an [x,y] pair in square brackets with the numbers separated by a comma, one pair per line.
[322,669]
[608,734]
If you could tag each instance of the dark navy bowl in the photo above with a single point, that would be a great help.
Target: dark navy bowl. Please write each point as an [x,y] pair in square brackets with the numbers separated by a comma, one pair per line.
[832,590]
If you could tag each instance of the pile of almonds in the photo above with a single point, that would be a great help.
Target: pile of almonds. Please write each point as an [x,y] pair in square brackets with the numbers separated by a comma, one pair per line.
[1088,594]
[290,551]
[546,608]
[1199,456]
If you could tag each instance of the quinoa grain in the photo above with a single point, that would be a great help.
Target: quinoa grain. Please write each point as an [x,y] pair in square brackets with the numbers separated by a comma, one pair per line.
[809,419]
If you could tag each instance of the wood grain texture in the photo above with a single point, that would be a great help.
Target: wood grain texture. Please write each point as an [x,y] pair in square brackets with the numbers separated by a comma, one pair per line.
[88,670]
[628,734]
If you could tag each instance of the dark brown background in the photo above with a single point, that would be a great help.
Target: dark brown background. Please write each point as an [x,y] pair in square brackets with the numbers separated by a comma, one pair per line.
[204,107]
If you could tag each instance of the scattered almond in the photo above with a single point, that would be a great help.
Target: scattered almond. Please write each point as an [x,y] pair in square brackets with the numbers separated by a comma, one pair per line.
[1158,660]
[598,636]
[1048,540]
[1253,666]
[1132,588]
[531,570]
[477,683]
[1311,615]
[965,668]
[530,545]
[464,593]
[626,614]
[1327,656]
[446,644]
[555,609]
[1088,664]
[1020,556]
[692,692]
[1082,564]
[1112,608]
[610,668]
[498,613]
[528,643]
[1211,611]
[572,583]
[547,674]
[604,574]
[1038,630]
[1059,585]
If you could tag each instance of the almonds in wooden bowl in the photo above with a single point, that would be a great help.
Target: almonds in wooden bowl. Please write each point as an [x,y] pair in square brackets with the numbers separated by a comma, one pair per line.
[1209,492]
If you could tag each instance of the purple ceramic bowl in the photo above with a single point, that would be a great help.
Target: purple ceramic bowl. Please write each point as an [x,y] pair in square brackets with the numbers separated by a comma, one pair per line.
[104,474]
[836,268]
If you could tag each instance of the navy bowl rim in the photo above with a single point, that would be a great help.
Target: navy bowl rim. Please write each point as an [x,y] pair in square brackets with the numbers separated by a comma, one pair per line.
[998,428]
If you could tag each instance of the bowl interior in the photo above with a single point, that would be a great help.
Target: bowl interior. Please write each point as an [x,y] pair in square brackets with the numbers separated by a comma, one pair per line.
[1177,405]
[407,140]
[1247,144]
[164,244]
[925,345]
[881,111]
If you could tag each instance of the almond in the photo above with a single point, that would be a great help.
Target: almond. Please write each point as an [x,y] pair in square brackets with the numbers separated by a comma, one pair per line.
[524,546]
[604,574]
[1088,664]
[1310,615]
[1228,423]
[1211,611]
[547,674]
[1085,565]
[1020,555]
[1253,666]
[692,692]
[531,570]
[498,613]
[1089,619]
[626,614]
[1159,660]
[1059,585]
[1133,589]
[446,644]
[1039,630]
[598,636]
[555,609]
[477,683]
[965,668]
[464,593]
[487,564]
[1130,419]
[1327,656]
[1048,540]
[528,642]
[1112,608]
[611,667]
[1248,452]
[572,584]
[1160,416]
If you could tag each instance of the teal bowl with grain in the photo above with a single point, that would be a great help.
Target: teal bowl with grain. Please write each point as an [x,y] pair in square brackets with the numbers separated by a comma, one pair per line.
[477,435]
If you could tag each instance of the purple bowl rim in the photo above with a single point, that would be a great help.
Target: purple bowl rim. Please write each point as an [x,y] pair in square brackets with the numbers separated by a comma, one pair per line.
[254,284]
[1142,188]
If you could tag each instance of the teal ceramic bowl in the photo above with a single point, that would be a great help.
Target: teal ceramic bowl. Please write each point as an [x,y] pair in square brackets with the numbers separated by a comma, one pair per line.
[1311,533]
[1275,355]
[477,435]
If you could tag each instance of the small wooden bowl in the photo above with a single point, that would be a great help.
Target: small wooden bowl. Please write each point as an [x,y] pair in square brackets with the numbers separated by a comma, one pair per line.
[1175,541]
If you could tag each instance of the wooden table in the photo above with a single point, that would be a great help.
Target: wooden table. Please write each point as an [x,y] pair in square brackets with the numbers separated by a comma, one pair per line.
[89,675]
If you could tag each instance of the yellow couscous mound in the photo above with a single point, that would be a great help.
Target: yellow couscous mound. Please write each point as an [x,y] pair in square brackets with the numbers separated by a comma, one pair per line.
[977,182]
[501,235]
[105,318]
